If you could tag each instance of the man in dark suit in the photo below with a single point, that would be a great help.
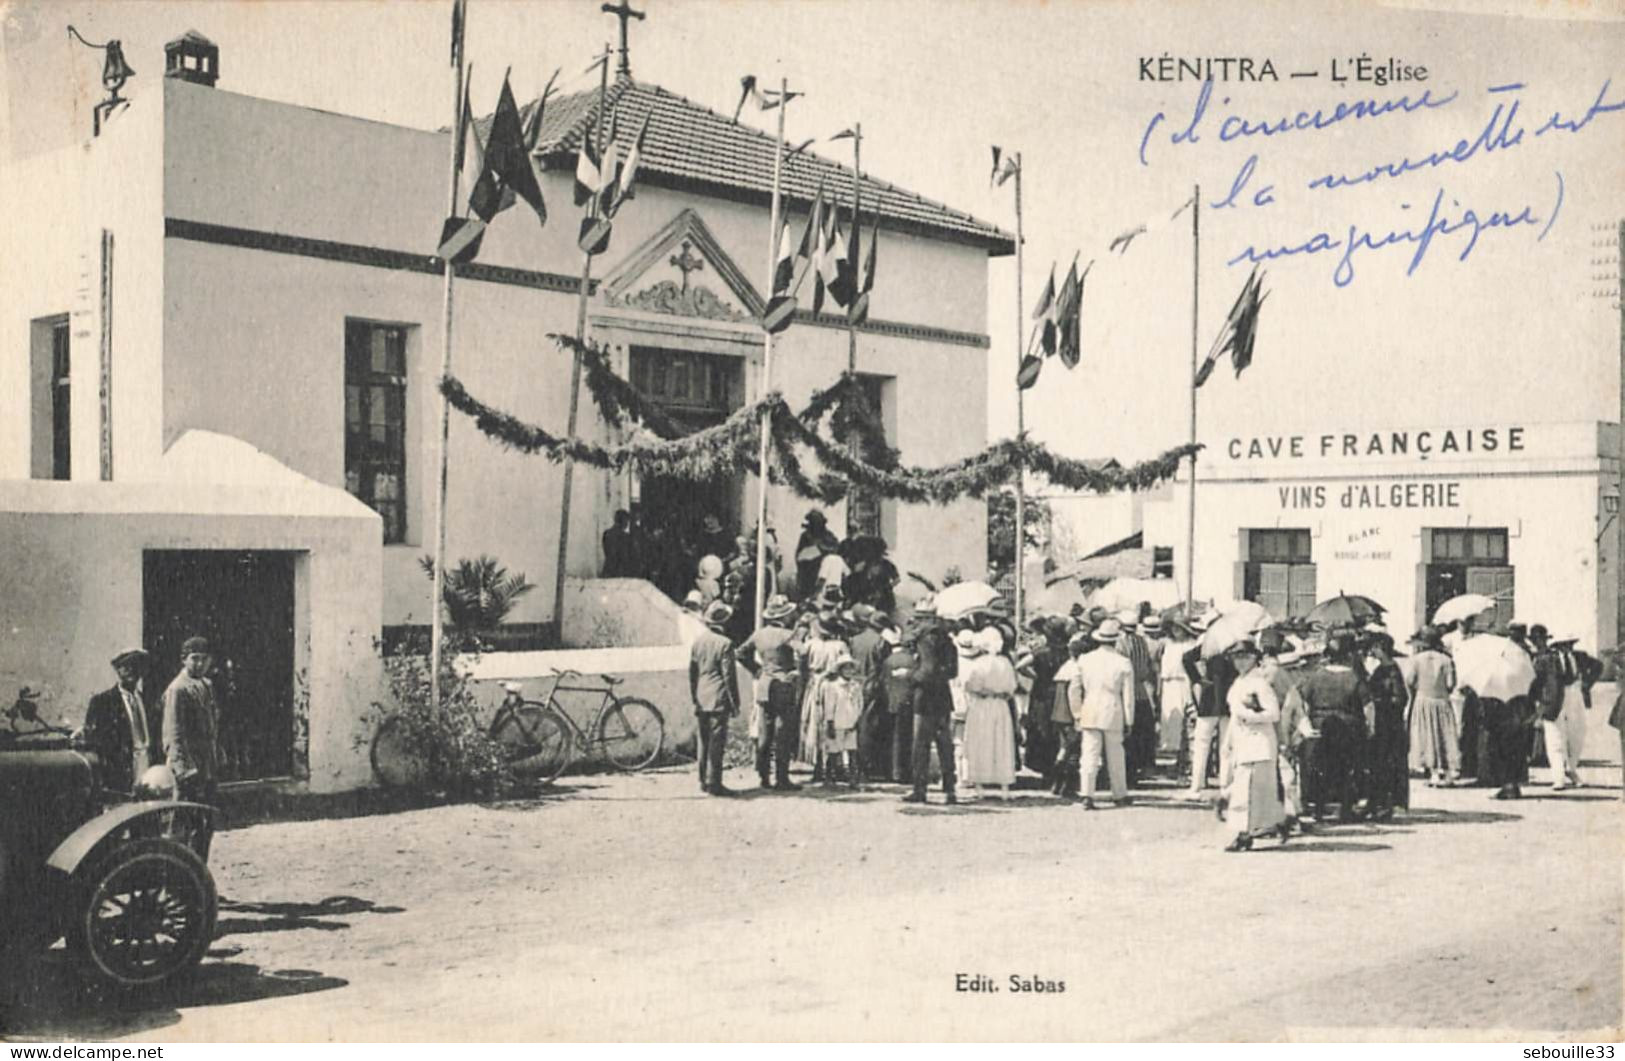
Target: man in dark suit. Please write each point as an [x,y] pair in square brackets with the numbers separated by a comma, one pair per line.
[936,663]
[120,724]
[713,684]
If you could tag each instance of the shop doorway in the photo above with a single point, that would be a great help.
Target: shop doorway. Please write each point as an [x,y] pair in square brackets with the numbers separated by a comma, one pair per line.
[1468,560]
[243,602]
[1277,570]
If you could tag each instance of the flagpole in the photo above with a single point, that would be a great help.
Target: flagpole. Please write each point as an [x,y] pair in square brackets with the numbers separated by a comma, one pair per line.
[1190,510]
[575,370]
[436,622]
[1021,414]
[857,205]
[767,358]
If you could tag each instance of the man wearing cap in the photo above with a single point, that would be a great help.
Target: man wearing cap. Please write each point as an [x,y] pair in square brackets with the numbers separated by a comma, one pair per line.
[899,672]
[1141,749]
[119,724]
[713,684]
[191,725]
[1210,685]
[869,651]
[936,664]
[770,656]
[1555,671]
[1102,700]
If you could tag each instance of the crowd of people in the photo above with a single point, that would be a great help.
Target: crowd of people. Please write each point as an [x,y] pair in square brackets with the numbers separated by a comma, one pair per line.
[1297,726]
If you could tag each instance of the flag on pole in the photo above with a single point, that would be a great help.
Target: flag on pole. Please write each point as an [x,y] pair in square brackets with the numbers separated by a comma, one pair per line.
[1239,331]
[1004,166]
[1121,241]
[1068,308]
[806,259]
[830,261]
[781,306]
[1027,373]
[587,171]
[860,306]
[840,267]
[460,236]
[508,155]
[765,101]
[625,186]
[1046,298]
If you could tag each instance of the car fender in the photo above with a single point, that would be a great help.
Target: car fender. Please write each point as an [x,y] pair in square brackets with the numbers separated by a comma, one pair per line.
[72,852]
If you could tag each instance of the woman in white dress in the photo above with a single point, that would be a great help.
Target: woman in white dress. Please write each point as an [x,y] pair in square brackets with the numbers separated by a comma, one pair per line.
[1255,800]
[989,682]
[1175,688]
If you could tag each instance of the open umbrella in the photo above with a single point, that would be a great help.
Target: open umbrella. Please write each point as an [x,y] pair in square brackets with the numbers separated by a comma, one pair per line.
[1346,610]
[962,598]
[1122,593]
[1465,606]
[1057,598]
[1493,666]
[1236,625]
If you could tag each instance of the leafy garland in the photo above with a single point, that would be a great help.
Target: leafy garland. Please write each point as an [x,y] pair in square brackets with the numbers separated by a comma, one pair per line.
[659,447]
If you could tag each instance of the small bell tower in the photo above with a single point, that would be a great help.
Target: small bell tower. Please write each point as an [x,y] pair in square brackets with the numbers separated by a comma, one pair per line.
[192,57]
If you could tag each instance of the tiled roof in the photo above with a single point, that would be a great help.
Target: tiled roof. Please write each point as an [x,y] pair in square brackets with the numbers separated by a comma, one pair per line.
[694,145]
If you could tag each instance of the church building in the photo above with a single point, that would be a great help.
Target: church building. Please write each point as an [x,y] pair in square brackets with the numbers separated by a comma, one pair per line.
[221,400]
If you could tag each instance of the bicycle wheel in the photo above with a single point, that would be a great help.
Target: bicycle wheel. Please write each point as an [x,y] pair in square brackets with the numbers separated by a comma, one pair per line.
[535,744]
[399,759]
[631,732]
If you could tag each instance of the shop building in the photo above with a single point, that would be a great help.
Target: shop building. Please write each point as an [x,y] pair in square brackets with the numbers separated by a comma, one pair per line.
[1524,512]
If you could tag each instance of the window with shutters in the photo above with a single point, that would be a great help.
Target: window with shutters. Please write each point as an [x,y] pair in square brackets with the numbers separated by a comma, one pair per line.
[375,420]
[1470,560]
[1279,571]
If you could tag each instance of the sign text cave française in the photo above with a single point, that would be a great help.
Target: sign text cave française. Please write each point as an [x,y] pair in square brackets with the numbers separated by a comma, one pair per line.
[1421,444]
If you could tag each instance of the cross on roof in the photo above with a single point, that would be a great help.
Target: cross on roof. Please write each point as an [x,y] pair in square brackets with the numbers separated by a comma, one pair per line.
[623,11]
[687,262]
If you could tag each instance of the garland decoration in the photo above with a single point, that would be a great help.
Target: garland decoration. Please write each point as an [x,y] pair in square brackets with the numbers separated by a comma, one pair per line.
[659,447]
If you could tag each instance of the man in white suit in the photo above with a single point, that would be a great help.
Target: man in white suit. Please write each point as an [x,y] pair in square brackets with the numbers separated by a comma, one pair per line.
[1103,706]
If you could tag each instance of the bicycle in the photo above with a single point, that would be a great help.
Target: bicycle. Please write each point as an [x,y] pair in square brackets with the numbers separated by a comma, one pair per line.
[542,739]
[539,738]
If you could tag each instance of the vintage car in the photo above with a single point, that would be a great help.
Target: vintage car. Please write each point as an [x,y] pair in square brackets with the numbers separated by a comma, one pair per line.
[124,881]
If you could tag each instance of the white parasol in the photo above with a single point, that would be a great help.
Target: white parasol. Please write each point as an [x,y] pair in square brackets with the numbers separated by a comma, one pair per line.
[962,598]
[1465,606]
[1122,593]
[1237,621]
[1494,667]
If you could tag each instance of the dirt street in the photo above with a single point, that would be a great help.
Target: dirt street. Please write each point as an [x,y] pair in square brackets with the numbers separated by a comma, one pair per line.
[635,908]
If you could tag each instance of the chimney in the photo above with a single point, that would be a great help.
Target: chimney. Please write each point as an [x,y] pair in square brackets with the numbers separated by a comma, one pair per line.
[192,57]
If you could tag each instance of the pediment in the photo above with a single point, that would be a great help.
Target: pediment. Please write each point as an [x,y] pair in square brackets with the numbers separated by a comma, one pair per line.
[683,271]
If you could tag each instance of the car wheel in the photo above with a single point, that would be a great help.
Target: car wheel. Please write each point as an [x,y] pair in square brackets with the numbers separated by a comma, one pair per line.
[147,914]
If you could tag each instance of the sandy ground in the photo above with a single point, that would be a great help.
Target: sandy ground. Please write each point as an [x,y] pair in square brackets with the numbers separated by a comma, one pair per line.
[635,908]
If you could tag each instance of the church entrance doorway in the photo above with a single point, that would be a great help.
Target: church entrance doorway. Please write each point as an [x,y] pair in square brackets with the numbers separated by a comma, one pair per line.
[697,391]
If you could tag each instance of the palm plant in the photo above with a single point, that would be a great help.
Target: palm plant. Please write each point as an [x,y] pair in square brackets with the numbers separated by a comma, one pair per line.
[479,593]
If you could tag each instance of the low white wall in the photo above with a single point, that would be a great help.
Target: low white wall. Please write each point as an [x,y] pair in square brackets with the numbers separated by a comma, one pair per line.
[604,612]
[657,673]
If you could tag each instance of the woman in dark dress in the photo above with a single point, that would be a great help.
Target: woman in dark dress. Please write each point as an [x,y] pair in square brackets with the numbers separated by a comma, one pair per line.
[1387,766]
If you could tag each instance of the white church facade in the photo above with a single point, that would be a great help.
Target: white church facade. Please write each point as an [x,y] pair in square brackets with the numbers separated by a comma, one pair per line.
[250,285]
